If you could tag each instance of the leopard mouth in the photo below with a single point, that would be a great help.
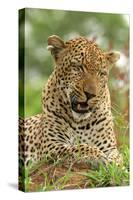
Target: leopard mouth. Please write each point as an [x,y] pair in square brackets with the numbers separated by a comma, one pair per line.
[79,107]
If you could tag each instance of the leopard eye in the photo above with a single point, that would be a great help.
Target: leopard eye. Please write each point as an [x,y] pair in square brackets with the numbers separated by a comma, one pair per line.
[80,66]
[77,66]
[103,73]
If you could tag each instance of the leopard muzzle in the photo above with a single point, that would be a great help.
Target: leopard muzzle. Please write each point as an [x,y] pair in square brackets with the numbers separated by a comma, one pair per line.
[81,107]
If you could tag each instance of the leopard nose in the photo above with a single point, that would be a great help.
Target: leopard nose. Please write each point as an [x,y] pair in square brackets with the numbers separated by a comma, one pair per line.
[89,95]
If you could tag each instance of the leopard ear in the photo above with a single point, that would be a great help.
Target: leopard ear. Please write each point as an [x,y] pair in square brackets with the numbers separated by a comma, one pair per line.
[55,45]
[112,57]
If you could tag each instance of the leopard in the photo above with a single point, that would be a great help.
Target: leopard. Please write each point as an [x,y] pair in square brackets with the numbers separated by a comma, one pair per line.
[76,118]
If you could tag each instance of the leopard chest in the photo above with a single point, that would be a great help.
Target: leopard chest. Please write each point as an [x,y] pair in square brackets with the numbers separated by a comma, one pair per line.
[97,132]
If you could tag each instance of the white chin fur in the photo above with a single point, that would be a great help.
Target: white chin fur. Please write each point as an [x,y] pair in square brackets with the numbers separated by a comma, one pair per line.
[80,116]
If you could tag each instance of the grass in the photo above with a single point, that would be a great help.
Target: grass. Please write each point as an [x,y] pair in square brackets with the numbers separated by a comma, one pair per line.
[110,176]
[59,175]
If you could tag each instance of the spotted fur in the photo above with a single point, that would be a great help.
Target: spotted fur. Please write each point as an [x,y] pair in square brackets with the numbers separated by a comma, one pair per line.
[76,118]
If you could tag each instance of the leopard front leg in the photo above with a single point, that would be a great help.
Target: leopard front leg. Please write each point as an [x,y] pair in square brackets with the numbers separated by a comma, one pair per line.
[84,153]
[115,157]
[93,155]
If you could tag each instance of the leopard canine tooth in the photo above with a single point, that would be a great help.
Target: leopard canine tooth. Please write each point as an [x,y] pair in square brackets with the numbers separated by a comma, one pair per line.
[78,106]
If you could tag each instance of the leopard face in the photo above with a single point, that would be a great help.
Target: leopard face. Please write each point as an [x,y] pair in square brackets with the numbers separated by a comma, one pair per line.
[83,69]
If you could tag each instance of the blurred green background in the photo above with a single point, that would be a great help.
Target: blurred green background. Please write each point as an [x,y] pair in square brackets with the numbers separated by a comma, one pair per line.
[111,31]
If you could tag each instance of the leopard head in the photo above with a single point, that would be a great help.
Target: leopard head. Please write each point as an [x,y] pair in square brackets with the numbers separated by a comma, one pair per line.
[82,69]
